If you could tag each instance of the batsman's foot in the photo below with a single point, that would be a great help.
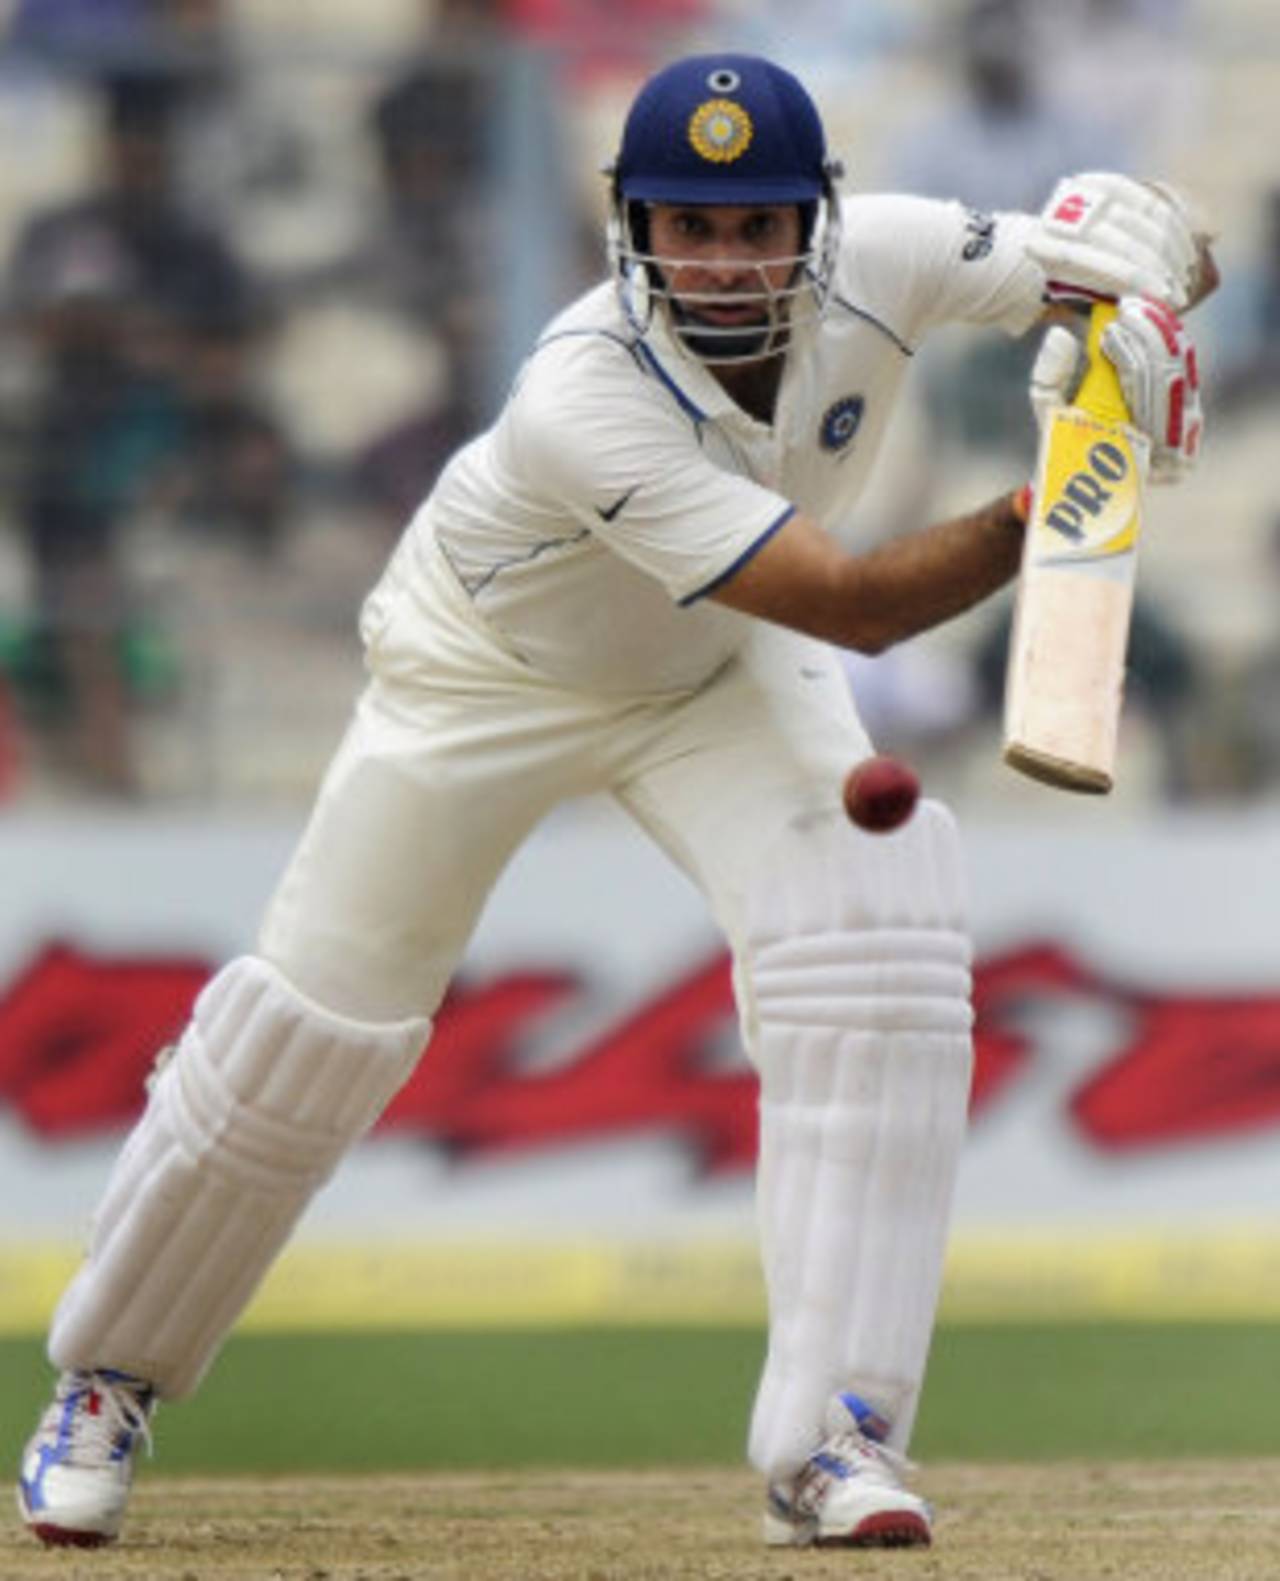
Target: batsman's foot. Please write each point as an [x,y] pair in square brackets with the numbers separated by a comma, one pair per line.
[850,1492]
[78,1467]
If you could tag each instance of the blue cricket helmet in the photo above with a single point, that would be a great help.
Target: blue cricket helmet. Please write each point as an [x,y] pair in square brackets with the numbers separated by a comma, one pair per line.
[723,128]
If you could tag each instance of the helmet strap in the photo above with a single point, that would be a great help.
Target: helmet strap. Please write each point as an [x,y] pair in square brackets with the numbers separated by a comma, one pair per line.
[638,224]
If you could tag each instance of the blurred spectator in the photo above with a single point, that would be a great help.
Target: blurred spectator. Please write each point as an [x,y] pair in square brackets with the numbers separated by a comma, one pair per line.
[830,34]
[1241,737]
[1003,141]
[433,130]
[238,136]
[95,34]
[1131,69]
[1250,371]
[393,472]
[418,295]
[10,750]
[603,38]
[240,154]
[410,310]
[140,320]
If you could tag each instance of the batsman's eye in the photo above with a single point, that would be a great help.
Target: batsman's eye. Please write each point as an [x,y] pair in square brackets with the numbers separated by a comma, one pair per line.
[760,227]
[692,227]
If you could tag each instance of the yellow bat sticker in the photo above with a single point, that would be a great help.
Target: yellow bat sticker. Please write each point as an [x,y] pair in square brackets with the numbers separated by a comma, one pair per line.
[1088,503]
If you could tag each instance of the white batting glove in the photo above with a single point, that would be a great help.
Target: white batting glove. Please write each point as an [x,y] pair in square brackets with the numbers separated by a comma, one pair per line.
[1106,235]
[1155,360]
[1057,371]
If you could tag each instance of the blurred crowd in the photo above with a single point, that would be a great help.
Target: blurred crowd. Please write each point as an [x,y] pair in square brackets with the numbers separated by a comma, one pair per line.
[258,282]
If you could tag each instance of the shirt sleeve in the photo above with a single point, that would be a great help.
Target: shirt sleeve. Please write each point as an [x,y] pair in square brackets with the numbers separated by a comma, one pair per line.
[927,262]
[614,451]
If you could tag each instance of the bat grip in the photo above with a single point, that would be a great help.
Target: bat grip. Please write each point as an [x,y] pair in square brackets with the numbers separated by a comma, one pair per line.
[1100,394]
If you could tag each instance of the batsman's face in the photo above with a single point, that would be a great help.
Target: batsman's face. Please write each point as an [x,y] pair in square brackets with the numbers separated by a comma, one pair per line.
[725,265]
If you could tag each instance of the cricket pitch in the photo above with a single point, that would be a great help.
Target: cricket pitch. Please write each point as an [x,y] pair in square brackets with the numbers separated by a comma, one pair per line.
[1065,1521]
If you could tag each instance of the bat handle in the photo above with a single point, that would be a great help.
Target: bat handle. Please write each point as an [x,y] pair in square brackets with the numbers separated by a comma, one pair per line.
[1100,394]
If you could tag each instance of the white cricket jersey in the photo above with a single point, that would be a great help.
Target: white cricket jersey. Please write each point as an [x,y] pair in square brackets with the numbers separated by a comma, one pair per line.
[620,483]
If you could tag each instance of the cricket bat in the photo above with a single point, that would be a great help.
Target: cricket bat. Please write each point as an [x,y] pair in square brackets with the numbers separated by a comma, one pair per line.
[1064,684]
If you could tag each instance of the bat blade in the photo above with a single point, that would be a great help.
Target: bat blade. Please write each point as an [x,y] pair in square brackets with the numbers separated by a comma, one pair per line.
[1065,678]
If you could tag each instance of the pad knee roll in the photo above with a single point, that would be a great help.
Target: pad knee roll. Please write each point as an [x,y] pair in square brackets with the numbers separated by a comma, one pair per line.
[858,962]
[245,1122]
[851,930]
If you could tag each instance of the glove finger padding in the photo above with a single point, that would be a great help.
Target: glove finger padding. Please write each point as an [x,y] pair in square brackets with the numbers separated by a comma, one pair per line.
[1057,372]
[1155,361]
[1102,234]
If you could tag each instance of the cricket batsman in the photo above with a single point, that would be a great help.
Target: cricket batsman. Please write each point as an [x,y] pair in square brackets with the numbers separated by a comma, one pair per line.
[634,582]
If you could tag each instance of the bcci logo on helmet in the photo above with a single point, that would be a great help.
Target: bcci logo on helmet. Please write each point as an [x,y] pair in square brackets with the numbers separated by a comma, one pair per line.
[720,131]
[723,129]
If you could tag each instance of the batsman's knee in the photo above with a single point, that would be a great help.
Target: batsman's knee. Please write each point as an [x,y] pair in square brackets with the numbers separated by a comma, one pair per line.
[845,928]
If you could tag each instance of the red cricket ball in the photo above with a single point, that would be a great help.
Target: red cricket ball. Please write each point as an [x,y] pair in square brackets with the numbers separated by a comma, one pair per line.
[880,794]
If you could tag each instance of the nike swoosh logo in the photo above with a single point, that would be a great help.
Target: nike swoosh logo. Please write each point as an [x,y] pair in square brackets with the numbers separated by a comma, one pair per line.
[607,515]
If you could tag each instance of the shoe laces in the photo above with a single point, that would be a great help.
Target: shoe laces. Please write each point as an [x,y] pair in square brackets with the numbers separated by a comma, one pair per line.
[842,1455]
[113,1410]
[869,1458]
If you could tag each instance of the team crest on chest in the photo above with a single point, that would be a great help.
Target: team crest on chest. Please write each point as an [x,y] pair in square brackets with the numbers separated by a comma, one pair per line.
[840,422]
[720,131]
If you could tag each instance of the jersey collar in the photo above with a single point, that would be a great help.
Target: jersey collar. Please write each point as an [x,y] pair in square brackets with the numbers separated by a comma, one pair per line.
[698,392]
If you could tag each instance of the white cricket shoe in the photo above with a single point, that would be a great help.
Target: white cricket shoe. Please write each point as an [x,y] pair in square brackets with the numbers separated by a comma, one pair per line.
[849,1493]
[78,1466]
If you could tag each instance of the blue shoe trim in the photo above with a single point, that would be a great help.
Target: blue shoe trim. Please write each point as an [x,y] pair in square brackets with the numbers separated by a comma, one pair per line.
[870,1422]
[52,1454]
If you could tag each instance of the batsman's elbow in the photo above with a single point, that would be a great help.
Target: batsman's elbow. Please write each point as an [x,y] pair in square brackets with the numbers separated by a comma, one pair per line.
[870,641]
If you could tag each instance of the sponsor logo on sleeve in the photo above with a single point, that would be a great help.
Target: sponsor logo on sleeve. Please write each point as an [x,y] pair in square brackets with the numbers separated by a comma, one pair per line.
[980,235]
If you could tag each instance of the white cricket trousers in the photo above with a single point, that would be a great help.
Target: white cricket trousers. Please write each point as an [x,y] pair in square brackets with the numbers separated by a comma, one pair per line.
[851,957]
[457,749]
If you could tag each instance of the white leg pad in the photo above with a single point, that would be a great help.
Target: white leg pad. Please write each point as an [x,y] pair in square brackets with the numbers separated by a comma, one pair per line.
[858,962]
[262,1097]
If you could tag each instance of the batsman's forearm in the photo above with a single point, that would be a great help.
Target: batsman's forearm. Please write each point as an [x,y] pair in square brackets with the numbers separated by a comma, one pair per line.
[802,578]
[926,578]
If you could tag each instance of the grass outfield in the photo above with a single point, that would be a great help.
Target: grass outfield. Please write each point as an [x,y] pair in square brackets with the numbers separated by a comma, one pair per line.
[609,1397]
